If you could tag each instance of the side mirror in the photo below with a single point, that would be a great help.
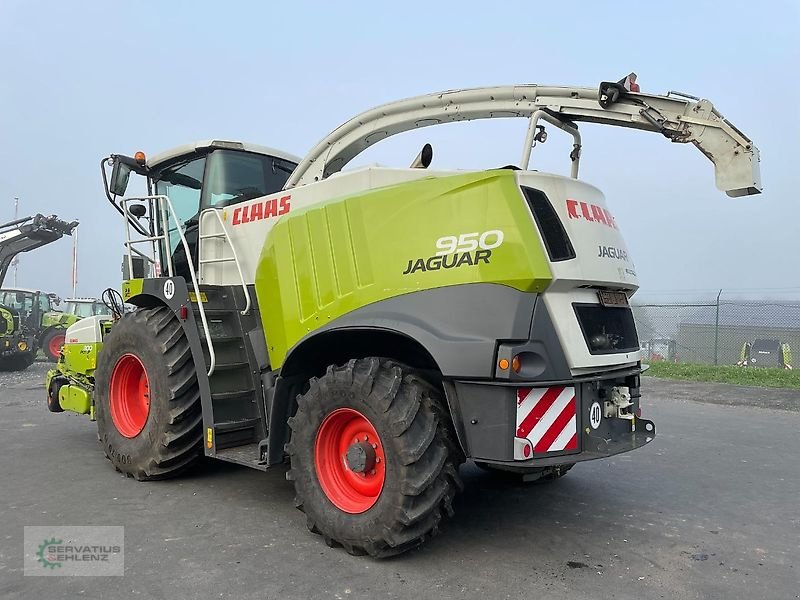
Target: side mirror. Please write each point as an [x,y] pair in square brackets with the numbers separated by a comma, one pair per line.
[137,210]
[120,174]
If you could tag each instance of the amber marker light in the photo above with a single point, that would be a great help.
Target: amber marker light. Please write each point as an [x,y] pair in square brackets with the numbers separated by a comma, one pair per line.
[140,158]
[503,364]
[515,364]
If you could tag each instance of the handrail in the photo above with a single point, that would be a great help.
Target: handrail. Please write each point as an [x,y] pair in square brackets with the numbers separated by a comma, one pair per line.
[248,302]
[162,202]
[530,140]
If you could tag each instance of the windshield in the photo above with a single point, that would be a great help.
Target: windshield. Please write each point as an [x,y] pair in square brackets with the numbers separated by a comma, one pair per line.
[234,177]
[87,309]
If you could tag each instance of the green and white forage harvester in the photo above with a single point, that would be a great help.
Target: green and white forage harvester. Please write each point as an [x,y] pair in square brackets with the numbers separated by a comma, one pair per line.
[376,327]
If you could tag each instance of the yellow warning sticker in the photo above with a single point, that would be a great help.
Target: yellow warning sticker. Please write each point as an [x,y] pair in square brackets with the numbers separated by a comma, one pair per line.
[209,437]
[193,297]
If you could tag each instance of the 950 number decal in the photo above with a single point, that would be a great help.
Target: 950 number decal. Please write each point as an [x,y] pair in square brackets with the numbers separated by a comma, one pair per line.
[454,251]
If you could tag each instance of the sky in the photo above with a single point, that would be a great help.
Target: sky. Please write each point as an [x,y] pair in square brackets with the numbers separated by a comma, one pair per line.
[82,80]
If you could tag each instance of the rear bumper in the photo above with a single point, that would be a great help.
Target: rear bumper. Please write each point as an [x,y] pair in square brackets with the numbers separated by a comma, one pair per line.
[539,425]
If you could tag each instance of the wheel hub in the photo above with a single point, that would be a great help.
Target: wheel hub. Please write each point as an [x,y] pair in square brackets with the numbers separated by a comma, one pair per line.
[361,457]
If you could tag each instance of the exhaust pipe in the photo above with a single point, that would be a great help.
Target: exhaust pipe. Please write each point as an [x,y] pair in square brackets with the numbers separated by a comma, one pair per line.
[424,158]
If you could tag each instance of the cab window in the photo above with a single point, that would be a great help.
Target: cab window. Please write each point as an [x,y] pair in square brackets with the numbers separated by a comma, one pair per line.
[82,309]
[44,303]
[234,177]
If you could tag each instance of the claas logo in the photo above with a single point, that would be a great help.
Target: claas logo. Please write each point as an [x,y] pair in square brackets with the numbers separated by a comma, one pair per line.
[590,212]
[261,210]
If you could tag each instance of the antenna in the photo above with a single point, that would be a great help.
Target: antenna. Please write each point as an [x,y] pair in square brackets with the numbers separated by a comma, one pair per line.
[75,263]
[16,258]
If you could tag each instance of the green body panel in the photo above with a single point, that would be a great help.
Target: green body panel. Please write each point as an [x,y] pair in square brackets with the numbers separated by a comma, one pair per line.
[57,318]
[81,358]
[334,257]
[131,288]
[786,352]
[75,399]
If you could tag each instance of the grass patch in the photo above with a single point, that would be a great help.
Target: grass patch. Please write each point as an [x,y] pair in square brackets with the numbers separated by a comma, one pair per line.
[758,377]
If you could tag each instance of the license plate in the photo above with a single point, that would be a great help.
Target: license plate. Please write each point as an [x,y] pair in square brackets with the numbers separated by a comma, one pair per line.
[608,298]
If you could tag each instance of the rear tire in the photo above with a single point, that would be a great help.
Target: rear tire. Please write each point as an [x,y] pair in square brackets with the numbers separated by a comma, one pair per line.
[147,399]
[52,342]
[405,494]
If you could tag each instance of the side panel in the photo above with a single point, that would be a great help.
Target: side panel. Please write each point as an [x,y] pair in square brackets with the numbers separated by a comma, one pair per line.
[325,261]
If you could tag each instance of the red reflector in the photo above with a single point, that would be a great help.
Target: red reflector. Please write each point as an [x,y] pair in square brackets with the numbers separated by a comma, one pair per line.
[639,412]
[184,313]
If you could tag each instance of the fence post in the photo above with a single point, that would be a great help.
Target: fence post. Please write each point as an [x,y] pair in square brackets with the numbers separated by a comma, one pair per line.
[716,333]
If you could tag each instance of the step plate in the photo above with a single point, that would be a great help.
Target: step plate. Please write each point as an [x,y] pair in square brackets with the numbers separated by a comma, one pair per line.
[246,455]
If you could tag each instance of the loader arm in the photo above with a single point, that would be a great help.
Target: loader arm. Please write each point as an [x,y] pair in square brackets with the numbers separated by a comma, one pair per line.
[680,118]
[24,235]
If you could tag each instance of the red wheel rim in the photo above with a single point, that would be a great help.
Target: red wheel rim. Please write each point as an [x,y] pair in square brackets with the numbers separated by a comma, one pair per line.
[55,345]
[130,396]
[352,491]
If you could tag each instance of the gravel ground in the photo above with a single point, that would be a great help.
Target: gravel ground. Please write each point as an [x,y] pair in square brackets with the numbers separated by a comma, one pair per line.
[708,510]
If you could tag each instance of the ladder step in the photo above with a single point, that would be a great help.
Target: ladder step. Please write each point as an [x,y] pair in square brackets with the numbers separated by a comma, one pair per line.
[231,366]
[215,339]
[233,395]
[218,311]
[240,424]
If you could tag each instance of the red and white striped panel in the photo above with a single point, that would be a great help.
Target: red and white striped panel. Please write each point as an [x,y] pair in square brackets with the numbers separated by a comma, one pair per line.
[546,421]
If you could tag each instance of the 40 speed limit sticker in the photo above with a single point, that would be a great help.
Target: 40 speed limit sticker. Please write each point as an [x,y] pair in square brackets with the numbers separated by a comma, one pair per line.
[466,249]
[595,415]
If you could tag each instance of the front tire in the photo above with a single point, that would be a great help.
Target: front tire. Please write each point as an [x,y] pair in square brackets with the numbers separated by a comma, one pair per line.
[373,457]
[147,399]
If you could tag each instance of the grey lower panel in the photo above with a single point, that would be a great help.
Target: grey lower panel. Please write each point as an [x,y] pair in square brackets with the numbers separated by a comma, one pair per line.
[458,325]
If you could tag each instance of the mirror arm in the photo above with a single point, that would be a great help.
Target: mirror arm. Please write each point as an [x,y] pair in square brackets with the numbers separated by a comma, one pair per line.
[112,199]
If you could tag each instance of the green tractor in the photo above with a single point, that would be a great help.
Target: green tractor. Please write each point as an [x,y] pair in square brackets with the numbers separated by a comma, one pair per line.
[22,312]
[374,328]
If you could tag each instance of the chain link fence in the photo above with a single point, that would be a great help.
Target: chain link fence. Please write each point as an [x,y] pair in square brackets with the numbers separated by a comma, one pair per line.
[719,332]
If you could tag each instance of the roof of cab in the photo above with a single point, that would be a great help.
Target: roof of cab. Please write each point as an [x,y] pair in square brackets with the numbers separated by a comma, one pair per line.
[168,155]
[22,290]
